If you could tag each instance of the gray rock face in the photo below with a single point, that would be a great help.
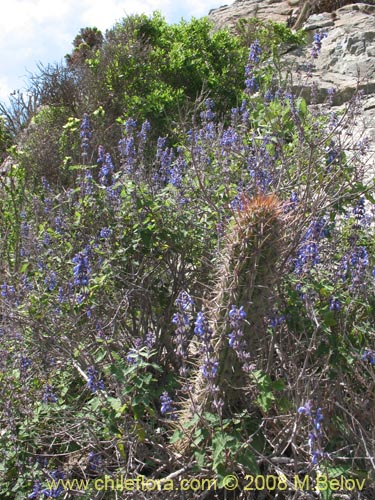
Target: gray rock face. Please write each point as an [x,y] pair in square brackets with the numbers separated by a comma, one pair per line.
[228,15]
[347,58]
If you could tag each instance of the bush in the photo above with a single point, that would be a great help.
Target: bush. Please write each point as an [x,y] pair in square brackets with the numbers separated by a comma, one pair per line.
[204,310]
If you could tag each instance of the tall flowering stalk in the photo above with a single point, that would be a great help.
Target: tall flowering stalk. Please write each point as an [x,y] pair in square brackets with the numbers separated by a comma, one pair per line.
[251,83]
[86,135]
[209,361]
[315,431]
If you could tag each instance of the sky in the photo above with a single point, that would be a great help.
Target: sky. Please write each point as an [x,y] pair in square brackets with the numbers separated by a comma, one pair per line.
[42,31]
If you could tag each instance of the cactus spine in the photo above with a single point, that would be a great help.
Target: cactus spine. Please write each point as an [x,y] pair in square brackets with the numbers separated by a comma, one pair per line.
[245,275]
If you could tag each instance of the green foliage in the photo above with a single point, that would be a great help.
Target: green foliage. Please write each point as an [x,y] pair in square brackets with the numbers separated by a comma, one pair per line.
[276,37]
[155,70]
[6,139]
[86,43]
[258,207]
[12,185]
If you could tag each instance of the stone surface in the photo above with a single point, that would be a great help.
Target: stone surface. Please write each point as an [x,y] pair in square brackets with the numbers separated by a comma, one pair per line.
[346,61]
[347,58]
[228,15]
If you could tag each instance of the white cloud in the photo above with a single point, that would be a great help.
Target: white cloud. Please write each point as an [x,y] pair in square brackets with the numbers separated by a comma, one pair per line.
[104,15]
[5,88]
[33,31]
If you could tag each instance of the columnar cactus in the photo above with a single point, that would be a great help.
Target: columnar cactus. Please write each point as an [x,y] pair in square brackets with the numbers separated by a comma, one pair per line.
[233,325]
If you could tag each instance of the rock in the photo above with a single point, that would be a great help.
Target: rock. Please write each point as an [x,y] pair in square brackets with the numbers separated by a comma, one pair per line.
[346,61]
[228,15]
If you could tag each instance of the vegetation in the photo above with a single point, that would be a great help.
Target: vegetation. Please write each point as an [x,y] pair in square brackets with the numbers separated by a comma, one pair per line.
[188,265]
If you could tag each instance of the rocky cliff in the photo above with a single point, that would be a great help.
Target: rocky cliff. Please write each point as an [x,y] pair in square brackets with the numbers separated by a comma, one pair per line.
[347,58]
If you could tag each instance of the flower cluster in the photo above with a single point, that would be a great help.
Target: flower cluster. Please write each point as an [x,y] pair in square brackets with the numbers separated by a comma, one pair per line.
[354,265]
[94,383]
[255,52]
[334,304]
[49,396]
[81,269]
[167,407]
[333,155]
[105,232]
[293,201]
[317,45]
[86,135]
[308,252]
[369,356]
[210,363]
[208,115]
[25,363]
[315,435]
[133,355]
[106,166]
[126,145]
[276,319]
[50,281]
[251,83]
[39,490]
[359,210]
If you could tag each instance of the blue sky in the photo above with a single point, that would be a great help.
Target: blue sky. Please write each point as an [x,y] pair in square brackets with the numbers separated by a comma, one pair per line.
[42,31]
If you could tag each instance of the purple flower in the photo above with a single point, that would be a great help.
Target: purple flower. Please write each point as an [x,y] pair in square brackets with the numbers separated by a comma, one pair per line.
[317,45]
[49,396]
[94,383]
[166,407]
[130,125]
[315,434]
[201,326]
[369,356]
[95,461]
[334,304]
[332,156]
[106,170]
[209,368]
[81,269]
[255,52]
[146,127]
[86,135]
[25,363]
[128,153]
[184,301]
[308,252]
[359,209]
[209,362]
[208,115]
[306,409]
[133,355]
[105,232]
[276,320]
[50,281]
[87,183]
[182,321]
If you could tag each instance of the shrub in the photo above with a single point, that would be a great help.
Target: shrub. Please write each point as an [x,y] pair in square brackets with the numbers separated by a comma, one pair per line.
[204,308]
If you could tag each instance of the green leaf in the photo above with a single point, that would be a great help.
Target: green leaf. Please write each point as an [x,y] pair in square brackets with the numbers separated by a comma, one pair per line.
[176,436]
[265,400]
[115,403]
[200,458]
[248,460]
